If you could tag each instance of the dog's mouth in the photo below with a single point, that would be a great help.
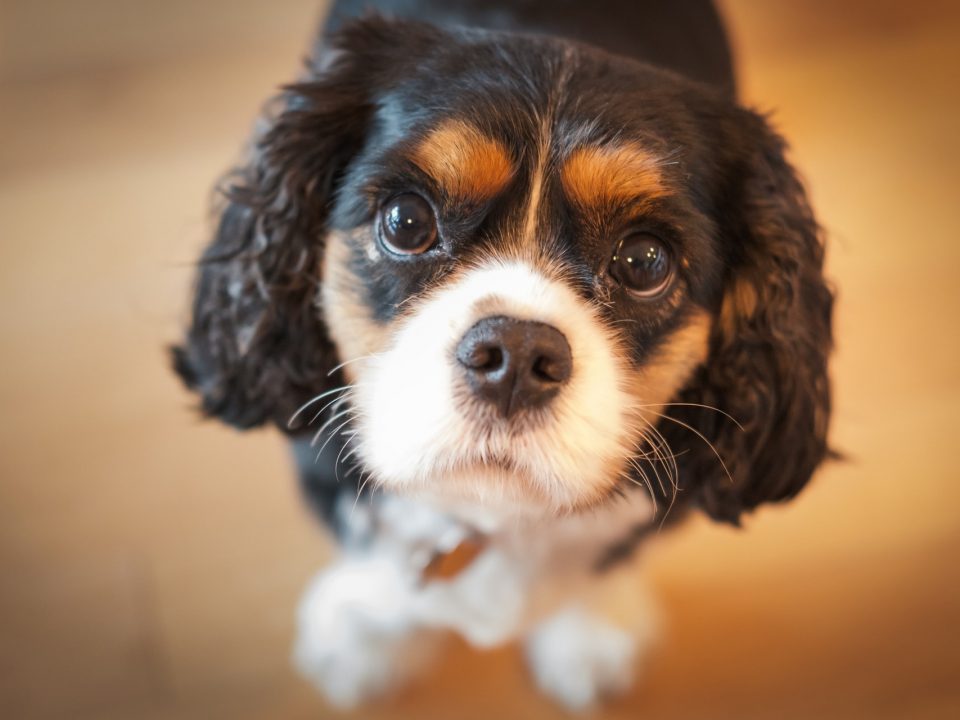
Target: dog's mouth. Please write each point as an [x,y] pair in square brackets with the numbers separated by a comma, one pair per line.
[507,467]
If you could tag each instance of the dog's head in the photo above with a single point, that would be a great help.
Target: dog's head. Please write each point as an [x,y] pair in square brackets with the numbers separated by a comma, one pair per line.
[539,272]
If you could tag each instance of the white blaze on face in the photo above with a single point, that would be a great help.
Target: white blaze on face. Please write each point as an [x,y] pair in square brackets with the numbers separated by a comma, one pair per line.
[421,430]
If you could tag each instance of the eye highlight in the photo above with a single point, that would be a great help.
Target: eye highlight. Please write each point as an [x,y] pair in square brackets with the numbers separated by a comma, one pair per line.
[408,225]
[642,264]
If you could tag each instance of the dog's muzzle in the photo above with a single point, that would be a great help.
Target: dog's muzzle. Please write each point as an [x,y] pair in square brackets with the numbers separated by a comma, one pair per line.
[514,364]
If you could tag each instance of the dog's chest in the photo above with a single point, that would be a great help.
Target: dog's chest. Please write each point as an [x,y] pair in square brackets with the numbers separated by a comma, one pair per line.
[497,575]
[445,546]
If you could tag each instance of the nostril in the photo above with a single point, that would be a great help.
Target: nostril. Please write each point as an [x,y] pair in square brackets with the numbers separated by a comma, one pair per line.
[492,359]
[548,369]
[482,357]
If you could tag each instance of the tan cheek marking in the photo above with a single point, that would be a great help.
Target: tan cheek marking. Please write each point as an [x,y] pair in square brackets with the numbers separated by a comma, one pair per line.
[464,161]
[349,321]
[601,175]
[659,380]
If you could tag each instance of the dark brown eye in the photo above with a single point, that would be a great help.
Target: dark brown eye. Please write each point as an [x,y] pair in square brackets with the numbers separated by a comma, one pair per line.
[642,264]
[407,224]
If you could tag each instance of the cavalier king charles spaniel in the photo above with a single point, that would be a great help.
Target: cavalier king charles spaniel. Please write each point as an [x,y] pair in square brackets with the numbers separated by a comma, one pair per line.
[522,282]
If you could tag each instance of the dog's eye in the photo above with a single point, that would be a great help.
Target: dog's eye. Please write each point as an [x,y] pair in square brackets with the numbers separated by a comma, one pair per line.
[642,264]
[407,224]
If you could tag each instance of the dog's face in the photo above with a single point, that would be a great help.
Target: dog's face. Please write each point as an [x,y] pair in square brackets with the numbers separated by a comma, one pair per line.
[539,273]
[517,276]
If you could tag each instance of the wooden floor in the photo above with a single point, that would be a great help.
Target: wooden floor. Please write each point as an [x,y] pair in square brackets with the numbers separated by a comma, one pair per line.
[149,564]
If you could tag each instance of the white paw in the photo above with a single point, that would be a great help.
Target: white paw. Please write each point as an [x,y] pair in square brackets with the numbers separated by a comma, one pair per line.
[348,670]
[578,659]
[354,642]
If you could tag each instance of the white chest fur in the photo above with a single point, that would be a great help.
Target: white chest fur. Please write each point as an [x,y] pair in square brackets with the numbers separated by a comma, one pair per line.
[365,621]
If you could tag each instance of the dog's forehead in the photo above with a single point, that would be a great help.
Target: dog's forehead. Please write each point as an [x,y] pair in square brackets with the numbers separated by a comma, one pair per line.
[484,113]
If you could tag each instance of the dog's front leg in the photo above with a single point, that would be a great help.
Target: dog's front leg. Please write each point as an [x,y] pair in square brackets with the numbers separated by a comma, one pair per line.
[589,649]
[358,633]
[370,621]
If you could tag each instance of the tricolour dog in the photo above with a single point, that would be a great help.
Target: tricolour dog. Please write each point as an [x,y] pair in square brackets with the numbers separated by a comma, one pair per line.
[522,282]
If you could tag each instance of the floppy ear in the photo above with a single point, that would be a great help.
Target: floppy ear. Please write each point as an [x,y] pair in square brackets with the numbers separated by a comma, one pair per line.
[768,359]
[257,348]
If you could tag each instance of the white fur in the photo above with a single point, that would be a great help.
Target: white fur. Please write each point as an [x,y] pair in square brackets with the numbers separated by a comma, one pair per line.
[354,636]
[530,223]
[369,623]
[578,659]
[446,448]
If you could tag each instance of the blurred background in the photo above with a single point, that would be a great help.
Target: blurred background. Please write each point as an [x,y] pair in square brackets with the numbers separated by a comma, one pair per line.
[150,563]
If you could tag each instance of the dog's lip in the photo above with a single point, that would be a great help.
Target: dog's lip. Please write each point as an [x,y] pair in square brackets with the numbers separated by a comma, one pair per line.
[500,465]
[525,420]
[496,485]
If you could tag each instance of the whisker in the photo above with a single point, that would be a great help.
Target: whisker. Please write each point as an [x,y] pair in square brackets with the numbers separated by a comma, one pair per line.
[336,463]
[341,398]
[354,450]
[348,362]
[654,462]
[672,470]
[639,468]
[312,400]
[702,437]
[653,466]
[666,454]
[323,427]
[332,435]
[410,298]
[661,451]
[363,484]
[647,487]
[698,405]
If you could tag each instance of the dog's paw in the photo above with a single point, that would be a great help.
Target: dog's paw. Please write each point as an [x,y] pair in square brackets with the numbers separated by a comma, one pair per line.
[353,641]
[578,659]
[348,670]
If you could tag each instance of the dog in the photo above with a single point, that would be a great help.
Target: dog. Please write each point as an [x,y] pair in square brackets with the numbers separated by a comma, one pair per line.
[523,283]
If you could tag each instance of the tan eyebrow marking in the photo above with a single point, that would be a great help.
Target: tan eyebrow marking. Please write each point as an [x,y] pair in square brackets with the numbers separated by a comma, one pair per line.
[618,173]
[464,161]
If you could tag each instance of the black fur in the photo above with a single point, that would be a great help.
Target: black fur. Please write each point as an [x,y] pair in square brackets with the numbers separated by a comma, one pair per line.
[331,148]
[682,35]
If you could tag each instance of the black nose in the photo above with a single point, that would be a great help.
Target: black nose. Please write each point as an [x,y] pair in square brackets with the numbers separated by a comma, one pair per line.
[514,364]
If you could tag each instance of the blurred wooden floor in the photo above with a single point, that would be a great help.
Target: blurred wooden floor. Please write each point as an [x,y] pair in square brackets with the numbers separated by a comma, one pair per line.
[149,564]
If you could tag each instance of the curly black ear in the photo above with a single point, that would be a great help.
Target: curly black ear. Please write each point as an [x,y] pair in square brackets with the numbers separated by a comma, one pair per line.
[257,348]
[768,358]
